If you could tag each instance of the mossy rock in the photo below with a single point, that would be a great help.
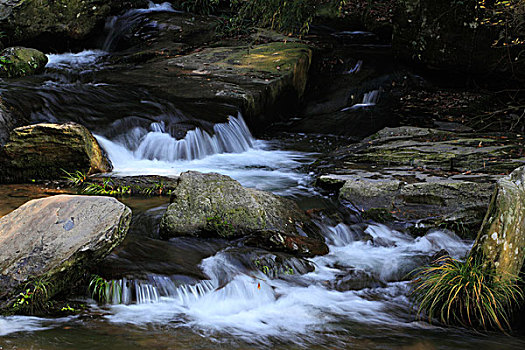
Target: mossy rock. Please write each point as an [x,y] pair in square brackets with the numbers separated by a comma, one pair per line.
[20,61]
[216,205]
[501,239]
[44,151]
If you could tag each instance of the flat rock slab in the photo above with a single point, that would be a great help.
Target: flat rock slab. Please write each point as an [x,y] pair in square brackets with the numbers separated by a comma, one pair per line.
[54,238]
[252,79]
[430,177]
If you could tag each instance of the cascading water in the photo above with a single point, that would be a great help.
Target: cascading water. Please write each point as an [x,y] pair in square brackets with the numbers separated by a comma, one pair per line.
[369,99]
[157,144]
[360,280]
[356,297]
[230,150]
[119,26]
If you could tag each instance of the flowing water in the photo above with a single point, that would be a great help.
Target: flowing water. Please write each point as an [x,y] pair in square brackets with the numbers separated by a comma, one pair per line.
[190,293]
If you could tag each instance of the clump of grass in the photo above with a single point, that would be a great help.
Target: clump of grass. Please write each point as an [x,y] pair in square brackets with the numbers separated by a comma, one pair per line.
[76,178]
[103,290]
[465,293]
[34,297]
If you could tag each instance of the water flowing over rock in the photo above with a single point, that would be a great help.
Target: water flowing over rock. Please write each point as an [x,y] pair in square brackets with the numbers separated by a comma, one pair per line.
[48,21]
[55,239]
[501,240]
[44,151]
[7,123]
[20,61]
[213,204]
[258,79]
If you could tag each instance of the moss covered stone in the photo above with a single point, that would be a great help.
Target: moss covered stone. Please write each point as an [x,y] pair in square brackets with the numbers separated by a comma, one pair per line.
[216,205]
[43,151]
[501,240]
[24,20]
[21,61]
[256,79]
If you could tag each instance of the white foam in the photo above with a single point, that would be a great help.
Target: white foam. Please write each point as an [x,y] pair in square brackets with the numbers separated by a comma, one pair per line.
[69,60]
[231,151]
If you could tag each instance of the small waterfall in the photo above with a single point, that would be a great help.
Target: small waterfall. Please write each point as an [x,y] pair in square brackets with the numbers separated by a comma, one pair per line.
[339,235]
[119,26]
[356,68]
[151,291]
[231,137]
[369,99]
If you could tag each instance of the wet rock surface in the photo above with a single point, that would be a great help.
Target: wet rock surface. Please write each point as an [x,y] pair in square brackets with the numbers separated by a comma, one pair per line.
[7,123]
[55,239]
[44,151]
[43,22]
[258,80]
[296,245]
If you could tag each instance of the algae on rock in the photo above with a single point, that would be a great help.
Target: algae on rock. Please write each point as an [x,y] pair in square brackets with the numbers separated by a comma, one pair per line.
[501,239]
[20,61]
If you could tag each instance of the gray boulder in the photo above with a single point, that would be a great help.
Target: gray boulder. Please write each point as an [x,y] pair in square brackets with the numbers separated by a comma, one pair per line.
[213,204]
[53,241]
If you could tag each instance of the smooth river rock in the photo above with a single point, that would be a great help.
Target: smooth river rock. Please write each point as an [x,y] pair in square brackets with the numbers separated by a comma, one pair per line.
[43,151]
[501,240]
[56,239]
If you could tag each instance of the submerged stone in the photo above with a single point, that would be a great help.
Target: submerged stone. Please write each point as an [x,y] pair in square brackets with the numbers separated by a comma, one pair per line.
[54,240]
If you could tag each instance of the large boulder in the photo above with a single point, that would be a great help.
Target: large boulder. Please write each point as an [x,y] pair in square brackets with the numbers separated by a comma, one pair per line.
[501,240]
[20,61]
[54,240]
[216,205]
[54,22]
[449,35]
[44,151]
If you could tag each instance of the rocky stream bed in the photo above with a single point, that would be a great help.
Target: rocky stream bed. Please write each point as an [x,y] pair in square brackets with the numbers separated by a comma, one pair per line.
[258,192]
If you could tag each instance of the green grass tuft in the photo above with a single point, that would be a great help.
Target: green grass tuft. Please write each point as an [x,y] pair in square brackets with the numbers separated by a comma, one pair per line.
[465,293]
